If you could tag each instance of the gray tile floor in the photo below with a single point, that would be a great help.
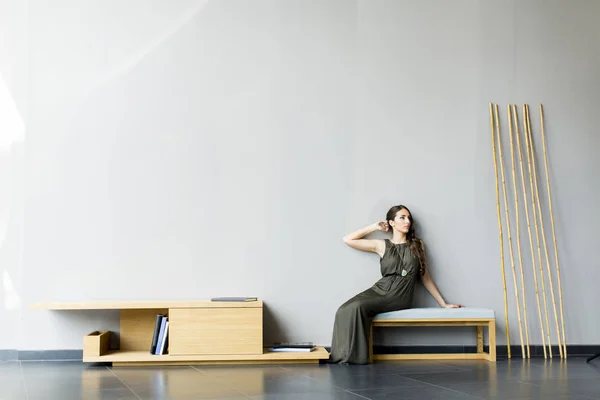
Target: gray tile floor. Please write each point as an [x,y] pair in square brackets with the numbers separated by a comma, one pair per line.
[507,379]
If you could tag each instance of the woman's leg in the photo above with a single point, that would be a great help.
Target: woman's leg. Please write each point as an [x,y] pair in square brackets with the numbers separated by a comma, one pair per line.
[350,340]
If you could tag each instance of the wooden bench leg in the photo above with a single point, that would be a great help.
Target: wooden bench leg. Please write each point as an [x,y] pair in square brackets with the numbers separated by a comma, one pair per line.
[371,344]
[480,339]
[492,340]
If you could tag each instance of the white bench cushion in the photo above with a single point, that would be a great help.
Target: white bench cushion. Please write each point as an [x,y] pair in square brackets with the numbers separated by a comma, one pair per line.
[437,313]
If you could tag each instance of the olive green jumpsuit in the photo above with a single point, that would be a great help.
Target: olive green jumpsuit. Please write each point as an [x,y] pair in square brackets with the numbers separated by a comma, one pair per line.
[400,270]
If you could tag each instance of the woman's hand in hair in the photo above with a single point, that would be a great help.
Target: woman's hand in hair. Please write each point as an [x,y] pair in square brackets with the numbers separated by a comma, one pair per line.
[382,226]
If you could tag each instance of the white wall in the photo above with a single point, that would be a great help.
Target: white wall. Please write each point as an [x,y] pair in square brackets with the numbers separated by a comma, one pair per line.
[190,149]
[13,103]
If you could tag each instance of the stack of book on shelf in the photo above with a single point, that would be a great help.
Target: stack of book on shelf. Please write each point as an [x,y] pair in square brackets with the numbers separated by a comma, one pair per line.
[161,338]
[293,347]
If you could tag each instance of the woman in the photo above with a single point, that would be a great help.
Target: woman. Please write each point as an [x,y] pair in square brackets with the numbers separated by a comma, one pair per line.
[402,260]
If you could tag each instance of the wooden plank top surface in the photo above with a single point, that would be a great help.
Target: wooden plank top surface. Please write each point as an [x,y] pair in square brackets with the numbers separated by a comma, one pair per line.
[144,356]
[126,305]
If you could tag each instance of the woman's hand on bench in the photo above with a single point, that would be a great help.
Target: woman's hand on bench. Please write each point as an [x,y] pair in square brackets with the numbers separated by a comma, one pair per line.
[453,306]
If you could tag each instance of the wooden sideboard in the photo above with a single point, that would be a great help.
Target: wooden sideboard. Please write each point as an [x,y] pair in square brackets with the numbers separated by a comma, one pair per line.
[200,332]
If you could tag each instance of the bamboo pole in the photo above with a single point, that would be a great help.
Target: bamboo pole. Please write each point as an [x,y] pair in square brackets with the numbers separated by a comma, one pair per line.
[537,194]
[510,250]
[535,219]
[526,205]
[562,318]
[500,223]
[517,219]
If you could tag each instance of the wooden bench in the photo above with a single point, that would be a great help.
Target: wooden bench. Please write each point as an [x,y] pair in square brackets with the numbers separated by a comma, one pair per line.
[477,317]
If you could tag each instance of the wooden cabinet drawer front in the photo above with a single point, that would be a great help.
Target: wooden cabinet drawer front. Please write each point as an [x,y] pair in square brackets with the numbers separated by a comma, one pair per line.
[215,331]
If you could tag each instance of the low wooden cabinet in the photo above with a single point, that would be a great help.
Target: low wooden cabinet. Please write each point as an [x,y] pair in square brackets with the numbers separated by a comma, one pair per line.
[215,331]
[200,332]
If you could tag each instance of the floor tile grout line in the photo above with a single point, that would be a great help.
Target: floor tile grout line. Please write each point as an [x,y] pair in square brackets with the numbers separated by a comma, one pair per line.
[445,388]
[309,378]
[356,394]
[199,370]
[263,394]
[458,369]
[23,379]
[220,380]
[541,386]
[526,361]
[529,383]
[123,382]
[395,374]
[338,387]
[453,366]
[431,372]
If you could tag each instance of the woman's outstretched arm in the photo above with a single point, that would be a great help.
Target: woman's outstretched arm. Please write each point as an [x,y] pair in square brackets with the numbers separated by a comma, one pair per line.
[433,290]
[355,240]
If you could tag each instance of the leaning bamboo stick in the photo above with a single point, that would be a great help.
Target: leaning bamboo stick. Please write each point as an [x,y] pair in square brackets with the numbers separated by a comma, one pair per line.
[562,318]
[537,194]
[535,219]
[526,205]
[500,223]
[512,159]
[510,249]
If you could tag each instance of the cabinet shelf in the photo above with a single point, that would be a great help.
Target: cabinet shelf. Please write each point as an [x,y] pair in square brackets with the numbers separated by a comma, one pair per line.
[200,332]
[267,357]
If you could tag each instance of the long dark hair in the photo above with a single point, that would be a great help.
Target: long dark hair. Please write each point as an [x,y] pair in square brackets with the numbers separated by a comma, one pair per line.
[414,244]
